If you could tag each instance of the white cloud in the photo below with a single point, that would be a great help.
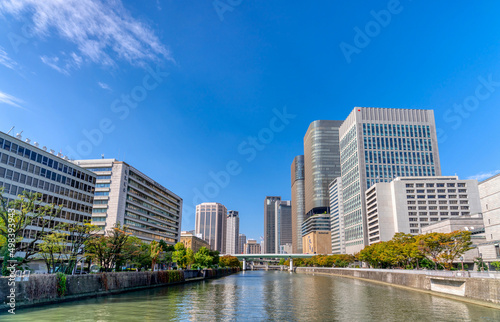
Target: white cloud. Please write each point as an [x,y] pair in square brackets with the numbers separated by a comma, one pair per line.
[484,175]
[10,100]
[104,86]
[102,31]
[6,60]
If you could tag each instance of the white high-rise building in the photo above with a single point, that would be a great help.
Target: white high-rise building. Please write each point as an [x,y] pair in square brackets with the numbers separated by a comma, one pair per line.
[232,232]
[126,196]
[378,145]
[408,204]
[210,222]
[337,216]
[489,192]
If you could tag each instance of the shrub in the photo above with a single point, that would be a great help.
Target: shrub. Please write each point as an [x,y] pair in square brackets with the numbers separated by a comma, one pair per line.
[61,284]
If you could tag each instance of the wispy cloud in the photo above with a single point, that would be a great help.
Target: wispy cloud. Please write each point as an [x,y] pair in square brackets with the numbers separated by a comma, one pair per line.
[103,32]
[5,60]
[104,86]
[10,100]
[484,175]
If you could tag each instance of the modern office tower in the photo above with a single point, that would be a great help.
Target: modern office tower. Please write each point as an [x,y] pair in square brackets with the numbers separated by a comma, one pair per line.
[193,241]
[378,145]
[210,222]
[298,202]
[337,216]
[251,247]
[241,243]
[25,167]
[321,164]
[270,224]
[126,196]
[489,193]
[283,224]
[232,232]
[408,204]
[316,234]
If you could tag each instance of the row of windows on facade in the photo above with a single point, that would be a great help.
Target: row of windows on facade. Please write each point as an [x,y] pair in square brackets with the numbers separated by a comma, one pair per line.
[152,200]
[434,196]
[391,172]
[165,203]
[40,184]
[377,129]
[150,221]
[167,217]
[414,158]
[139,233]
[157,230]
[44,160]
[152,186]
[376,143]
[66,204]
[43,172]
[434,191]
[437,185]
[146,205]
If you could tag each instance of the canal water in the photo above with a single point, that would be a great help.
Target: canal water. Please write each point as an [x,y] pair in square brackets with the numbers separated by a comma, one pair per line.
[265,296]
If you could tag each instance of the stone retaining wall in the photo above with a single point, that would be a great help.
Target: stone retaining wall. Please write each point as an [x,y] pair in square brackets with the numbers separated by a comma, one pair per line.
[480,289]
[42,289]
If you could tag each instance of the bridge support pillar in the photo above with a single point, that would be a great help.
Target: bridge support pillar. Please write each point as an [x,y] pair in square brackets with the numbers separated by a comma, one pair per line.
[291,264]
[244,264]
[267,266]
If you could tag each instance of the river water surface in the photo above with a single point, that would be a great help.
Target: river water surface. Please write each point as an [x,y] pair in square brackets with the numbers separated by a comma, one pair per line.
[265,296]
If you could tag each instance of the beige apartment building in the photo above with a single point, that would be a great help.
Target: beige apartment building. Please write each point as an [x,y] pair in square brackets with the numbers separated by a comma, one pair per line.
[126,196]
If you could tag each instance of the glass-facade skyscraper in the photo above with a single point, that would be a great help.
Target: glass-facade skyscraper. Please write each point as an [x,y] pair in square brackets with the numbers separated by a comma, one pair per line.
[298,202]
[378,145]
[270,224]
[321,164]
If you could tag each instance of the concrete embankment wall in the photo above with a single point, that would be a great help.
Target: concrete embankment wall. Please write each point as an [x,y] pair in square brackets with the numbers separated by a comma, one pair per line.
[459,285]
[42,289]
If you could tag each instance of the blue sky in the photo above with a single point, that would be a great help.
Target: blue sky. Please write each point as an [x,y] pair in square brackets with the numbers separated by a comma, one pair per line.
[176,88]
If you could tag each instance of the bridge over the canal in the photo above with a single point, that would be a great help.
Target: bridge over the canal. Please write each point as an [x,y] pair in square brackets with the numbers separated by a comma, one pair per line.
[290,257]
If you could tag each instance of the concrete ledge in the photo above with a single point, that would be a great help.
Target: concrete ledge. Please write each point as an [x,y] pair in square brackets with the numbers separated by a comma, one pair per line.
[482,291]
[42,289]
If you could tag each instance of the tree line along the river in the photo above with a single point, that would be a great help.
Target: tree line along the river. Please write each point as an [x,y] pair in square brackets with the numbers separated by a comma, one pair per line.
[62,245]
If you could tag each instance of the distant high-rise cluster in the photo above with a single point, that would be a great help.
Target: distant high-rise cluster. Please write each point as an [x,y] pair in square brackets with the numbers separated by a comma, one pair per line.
[370,176]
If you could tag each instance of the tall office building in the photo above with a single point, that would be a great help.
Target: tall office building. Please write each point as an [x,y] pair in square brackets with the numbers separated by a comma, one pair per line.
[321,164]
[378,145]
[316,234]
[408,204]
[270,225]
[210,222]
[232,232]
[337,217]
[489,193]
[242,240]
[25,167]
[283,225]
[298,202]
[126,196]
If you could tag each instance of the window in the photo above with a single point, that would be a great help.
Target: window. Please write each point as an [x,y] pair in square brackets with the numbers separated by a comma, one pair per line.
[100,202]
[98,218]
[103,177]
[102,185]
[99,210]
[102,193]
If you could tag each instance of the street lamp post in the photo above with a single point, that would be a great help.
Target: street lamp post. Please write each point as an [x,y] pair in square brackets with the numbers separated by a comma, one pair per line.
[462,260]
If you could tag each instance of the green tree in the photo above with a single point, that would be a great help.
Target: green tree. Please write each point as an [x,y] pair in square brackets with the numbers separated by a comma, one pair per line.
[155,249]
[202,258]
[182,256]
[106,250]
[229,261]
[455,245]
[53,249]
[77,235]
[27,210]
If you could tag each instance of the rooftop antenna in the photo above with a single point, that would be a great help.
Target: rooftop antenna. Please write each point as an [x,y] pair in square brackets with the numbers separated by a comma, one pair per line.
[102,156]
[18,135]
[11,129]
